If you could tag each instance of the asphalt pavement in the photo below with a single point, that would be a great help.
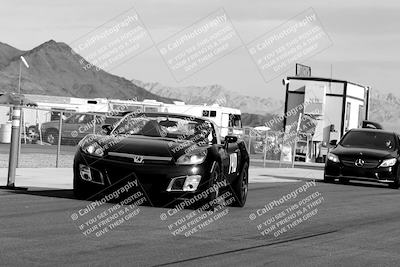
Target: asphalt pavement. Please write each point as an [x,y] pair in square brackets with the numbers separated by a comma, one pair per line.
[333,225]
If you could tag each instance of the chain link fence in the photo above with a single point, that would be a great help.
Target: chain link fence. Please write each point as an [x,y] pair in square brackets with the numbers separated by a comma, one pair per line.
[45,139]
[277,146]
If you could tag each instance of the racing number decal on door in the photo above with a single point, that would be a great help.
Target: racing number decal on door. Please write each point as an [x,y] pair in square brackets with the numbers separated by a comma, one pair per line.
[232,162]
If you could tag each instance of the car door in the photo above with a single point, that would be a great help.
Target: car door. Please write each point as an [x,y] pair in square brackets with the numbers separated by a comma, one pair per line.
[223,153]
[234,157]
[98,121]
[230,156]
[84,125]
[69,125]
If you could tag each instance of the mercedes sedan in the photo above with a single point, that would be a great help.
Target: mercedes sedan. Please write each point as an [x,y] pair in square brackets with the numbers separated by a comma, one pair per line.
[365,154]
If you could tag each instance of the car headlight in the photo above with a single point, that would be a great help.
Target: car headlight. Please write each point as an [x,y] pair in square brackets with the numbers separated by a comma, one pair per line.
[86,140]
[90,146]
[332,157]
[388,162]
[195,157]
[94,149]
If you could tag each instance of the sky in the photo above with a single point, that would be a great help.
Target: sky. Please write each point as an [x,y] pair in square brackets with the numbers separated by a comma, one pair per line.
[365,37]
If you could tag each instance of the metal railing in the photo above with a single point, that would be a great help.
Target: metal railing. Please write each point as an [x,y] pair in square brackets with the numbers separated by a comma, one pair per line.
[50,134]
[53,140]
[277,146]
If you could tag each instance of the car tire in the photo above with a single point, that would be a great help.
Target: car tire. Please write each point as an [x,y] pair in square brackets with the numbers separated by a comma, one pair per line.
[240,187]
[328,179]
[51,137]
[344,180]
[396,183]
[214,194]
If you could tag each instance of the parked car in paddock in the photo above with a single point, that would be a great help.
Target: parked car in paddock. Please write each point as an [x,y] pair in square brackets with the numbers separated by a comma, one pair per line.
[171,155]
[365,154]
[74,127]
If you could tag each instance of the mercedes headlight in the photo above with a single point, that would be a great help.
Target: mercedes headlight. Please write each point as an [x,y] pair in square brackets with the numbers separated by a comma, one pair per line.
[388,162]
[195,157]
[332,157]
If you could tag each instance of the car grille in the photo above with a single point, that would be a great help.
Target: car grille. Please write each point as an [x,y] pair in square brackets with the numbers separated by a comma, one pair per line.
[368,163]
[129,158]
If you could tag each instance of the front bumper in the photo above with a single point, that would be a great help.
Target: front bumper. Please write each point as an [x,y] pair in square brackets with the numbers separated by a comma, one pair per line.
[161,178]
[339,170]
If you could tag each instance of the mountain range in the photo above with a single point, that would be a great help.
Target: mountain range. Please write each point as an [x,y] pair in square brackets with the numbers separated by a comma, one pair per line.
[215,94]
[54,70]
[385,109]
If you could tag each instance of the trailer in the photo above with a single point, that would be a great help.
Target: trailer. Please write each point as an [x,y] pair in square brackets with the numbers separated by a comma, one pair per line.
[147,105]
[227,119]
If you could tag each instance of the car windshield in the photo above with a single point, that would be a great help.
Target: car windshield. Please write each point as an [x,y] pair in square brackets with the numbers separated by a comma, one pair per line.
[373,140]
[182,128]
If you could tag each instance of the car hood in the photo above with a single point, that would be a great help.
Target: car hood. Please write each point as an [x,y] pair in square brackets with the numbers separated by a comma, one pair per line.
[352,152]
[144,146]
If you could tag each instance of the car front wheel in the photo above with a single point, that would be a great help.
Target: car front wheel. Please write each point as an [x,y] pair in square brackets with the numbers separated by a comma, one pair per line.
[214,194]
[396,183]
[51,137]
[240,187]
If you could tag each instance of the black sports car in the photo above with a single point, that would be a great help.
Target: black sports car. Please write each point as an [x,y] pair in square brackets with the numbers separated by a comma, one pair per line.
[365,154]
[169,155]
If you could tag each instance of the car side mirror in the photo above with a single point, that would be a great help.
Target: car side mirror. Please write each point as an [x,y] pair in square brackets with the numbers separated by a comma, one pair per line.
[333,142]
[230,139]
[107,128]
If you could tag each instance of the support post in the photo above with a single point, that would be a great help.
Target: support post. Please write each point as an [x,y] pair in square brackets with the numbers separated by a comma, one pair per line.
[21,122]
[249,145]
[94,124]
[265,145]
[59,138]
[12,163]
